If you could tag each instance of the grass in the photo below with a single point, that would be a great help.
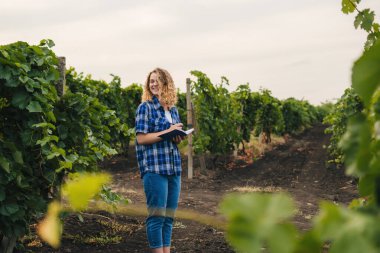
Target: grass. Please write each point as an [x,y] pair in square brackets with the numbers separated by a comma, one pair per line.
[258,148]
[116,227]
[103,238]
[268,189]
[140,210]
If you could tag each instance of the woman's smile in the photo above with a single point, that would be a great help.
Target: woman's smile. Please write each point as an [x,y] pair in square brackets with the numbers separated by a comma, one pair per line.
[153,84]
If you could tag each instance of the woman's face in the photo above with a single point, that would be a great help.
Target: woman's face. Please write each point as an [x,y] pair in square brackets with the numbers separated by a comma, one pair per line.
[153,84]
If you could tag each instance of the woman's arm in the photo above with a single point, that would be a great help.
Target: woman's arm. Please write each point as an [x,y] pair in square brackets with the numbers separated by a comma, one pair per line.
[150,138]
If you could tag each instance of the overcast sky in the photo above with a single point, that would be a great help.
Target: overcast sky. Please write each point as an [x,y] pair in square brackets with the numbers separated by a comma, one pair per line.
[295,48]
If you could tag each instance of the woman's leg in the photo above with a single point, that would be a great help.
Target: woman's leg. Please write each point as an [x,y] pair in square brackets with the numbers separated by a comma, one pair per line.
[165,250]
[156,192]
[174,188]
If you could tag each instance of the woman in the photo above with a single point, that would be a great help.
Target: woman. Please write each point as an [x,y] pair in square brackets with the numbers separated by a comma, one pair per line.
[159,160]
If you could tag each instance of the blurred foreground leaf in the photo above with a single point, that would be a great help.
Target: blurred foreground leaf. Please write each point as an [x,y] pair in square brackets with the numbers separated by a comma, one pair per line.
[256,220]
[366,74]
[50,228]
[81,189]
[349,230]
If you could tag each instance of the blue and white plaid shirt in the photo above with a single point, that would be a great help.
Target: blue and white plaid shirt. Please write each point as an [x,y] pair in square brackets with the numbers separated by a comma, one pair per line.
[162,157]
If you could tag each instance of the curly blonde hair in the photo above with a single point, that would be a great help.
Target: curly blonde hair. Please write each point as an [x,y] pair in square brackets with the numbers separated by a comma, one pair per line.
[167,92]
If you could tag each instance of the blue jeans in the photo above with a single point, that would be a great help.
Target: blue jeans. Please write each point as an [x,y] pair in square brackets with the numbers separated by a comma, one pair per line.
[162,194]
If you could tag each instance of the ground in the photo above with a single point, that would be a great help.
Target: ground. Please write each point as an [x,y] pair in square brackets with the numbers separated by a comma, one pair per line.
[297,166]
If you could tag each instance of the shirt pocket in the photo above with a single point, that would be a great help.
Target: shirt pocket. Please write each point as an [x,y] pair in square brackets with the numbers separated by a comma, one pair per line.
[159,124]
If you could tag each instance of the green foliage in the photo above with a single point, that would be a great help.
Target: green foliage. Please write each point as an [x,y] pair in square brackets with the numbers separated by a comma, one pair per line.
[28,140]
[292,112]
[269,118]
[360,145]
[298,115]
[348,6]
[111,197]
[117,104]
[78,190]
[361,141]
[348,105]
[216,114]
[311,114]
[344,230]
[349,230]
[248,107]
[323,110]
[131,97]
[366,75]
[84,129]
[364,19]
[44,137]
[225,119]
[258,220]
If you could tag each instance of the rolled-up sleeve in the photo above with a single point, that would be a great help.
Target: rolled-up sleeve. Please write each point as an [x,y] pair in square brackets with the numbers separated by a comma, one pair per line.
[142,123]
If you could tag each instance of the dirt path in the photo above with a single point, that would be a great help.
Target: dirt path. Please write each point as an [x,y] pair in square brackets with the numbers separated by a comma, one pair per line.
[297,167]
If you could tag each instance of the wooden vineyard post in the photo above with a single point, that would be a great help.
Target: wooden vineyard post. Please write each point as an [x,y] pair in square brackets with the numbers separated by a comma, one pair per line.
[239,131]
[236,146]
[60,85]
[189,125]
[8,244]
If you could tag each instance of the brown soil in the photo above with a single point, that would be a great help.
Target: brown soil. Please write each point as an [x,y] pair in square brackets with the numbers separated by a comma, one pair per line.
[297,167]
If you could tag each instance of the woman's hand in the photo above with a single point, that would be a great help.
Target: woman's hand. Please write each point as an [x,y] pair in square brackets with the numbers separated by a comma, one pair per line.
[150,138]
[178,126]
[175,126]
[178,139]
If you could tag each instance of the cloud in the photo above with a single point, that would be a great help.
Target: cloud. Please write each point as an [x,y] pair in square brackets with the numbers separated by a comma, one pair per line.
[295,48]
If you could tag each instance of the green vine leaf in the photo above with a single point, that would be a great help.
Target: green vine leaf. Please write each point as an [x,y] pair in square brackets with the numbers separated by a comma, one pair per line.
[5,164]
[366,74]
[365,19]
[34,106]
[8,209]
[348,6]
[376,27]
[21,99]
[17,156]
[2,194]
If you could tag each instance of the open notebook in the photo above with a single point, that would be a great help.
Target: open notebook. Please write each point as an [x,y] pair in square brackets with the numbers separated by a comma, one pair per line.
[170,135]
